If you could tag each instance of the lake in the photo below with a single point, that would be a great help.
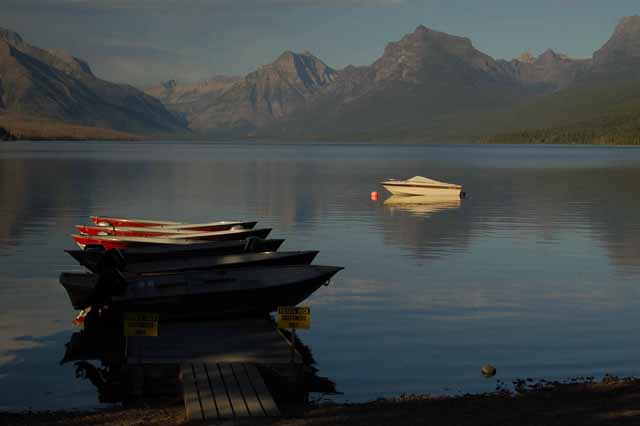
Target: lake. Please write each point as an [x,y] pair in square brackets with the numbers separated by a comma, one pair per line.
[537,272]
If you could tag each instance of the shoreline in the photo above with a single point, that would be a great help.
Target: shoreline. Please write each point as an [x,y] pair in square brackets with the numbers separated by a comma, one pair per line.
[611,401]
[151,140]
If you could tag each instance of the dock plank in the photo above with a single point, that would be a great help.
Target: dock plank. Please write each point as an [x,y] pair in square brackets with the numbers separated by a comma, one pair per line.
[266,400]
[207,400]
[233,390]
[249,394]
[190,393]
[219,391]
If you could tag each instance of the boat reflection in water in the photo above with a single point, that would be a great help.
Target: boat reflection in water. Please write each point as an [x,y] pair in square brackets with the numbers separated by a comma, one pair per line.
[421,205]
[136,368]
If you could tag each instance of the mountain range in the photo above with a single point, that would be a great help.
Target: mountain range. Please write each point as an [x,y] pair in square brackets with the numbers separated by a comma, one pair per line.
[429,85]
[55,86]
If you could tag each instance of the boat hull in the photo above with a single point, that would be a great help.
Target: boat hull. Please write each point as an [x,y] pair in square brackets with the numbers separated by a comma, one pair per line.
[114,221]
[211,227]
[247,290]
[150,231]
[79,288]
[418,190]
[91,258]
[236,301]
[221,262]
[109,242]
[128,232]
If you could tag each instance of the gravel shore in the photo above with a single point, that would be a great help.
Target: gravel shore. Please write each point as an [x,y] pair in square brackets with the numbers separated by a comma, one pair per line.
[612,402]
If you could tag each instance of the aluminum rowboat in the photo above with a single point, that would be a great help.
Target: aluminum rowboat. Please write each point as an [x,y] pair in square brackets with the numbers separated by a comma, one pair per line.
[91,257]
[244,291]
[252,289]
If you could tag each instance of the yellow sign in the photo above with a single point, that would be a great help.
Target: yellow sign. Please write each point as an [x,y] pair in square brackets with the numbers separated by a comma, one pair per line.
[141,324]
[299,317]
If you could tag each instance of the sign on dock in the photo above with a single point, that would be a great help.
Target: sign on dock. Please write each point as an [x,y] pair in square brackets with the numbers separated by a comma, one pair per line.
[294,317]
[141,324]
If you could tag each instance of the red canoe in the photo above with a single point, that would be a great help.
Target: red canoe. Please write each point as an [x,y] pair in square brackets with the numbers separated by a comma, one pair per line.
[129,232]
[115,221]
[143,223]
[161,231]
[109,242]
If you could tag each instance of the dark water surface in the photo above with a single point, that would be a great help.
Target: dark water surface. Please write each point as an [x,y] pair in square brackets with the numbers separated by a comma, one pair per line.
[538,272]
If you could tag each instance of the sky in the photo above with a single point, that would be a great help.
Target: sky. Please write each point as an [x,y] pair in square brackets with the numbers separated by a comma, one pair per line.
[143,42]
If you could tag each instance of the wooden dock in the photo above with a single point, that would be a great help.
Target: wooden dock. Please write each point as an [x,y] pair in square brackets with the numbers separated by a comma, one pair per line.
[217,361]
[225,391]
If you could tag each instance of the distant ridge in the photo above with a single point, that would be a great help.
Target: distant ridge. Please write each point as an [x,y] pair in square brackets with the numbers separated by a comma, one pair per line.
[57,86]
[238,106]
[619,58]
[415,89]
[22,127]
[426,86]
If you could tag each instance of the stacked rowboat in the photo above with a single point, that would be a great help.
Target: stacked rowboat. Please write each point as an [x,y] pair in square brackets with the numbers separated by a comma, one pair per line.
[187,270]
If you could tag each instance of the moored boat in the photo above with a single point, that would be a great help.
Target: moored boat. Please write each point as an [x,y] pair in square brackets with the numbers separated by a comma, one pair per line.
[422,186]
[244,290]
[221,262]
[146,223]
[114,260]
[129,231]
[212,226]
[116,221]
[80,286]
[91,257]
[119,242]
[142,231]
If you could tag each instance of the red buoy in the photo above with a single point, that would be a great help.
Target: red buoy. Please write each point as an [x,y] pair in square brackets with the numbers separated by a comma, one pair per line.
[374,196]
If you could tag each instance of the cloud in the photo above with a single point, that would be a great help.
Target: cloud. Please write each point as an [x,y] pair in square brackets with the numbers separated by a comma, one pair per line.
[207,4]
[339,2]
[146,41]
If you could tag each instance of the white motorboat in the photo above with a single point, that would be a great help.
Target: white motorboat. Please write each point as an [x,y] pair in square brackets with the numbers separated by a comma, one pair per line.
[425,187]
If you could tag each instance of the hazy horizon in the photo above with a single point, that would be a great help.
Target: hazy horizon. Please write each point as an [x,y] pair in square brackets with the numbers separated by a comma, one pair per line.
[144,42]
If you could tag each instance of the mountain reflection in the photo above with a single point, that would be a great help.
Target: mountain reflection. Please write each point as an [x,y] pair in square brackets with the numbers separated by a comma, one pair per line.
[13,200]
[613,215]
[41,197]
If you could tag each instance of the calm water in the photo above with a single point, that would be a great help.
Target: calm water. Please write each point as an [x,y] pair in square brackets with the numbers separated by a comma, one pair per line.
[538,272]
